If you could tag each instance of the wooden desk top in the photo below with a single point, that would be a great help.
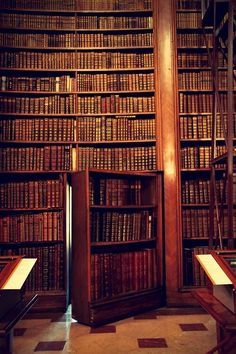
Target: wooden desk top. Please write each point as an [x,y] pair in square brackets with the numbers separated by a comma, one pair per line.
[216,309]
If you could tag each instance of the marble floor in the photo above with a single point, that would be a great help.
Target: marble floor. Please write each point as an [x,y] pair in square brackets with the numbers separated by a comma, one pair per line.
[161,331]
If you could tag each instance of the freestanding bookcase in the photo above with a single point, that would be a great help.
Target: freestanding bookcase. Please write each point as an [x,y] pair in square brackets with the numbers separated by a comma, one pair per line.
[117,260]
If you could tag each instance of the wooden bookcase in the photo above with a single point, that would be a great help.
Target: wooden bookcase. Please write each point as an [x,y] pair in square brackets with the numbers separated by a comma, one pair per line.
[195,126]
[117,244]
[32,222]
[196,107]
[78,88]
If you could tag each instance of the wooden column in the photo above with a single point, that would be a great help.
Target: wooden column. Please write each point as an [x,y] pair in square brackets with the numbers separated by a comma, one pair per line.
[167,112]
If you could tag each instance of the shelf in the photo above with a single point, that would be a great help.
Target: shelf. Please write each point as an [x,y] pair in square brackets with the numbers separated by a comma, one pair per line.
[35,171]
[78,114]
[80,70]
[41,115]
[200,140]
[125,173]
[76,92]
[77,11]
[193,29]
[195,170]
[120,243]
[34,210]
[78,49]
[196,68]
[197,113]
[123,207]
[79,143]
[9,244]
[195,48]
[196,239]
[178,10]
[37,142]
[195,205]
[78,30]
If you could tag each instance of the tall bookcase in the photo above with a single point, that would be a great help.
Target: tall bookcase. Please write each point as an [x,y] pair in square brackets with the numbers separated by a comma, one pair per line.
[78,89]
[117,131]
[117,244]
[195,126]
[221,16]
[37,135]
[199,133]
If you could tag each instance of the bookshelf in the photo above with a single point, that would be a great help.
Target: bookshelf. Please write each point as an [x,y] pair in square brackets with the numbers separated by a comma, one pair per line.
[195,126]
[221,15]
[78,89]
[32,223]
[37,145]
[117,244]
[200,123]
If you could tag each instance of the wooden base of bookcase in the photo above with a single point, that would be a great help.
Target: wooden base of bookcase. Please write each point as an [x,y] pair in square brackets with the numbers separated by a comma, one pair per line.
[51,302]
[121,307]
[181,298]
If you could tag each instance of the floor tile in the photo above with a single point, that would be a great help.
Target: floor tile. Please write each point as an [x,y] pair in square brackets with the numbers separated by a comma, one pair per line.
[152,343]
[148,316]
[103,329]
[50,346]
[192,327]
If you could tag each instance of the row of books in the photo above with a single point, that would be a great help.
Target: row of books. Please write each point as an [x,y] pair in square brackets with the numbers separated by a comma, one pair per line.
[194,39]
[90,129]
[202,102]
[38,105]
[188,20]
[202,80]
[32,227]
[75,40]
[196,223]
[200,126]
[64,83]
[42,193]
[116,273]
[115,104]
[38,129]
[198,156]
[110,191]
[48,272]
[114,128]
[46,158]
[198,191]
[83,82]
[72,5]
[194,274]
[86,105]
[121,226]
[115,82]
[114,22]
[197,60]
[120,159]
[15,20]
[75,60]
[189,4]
